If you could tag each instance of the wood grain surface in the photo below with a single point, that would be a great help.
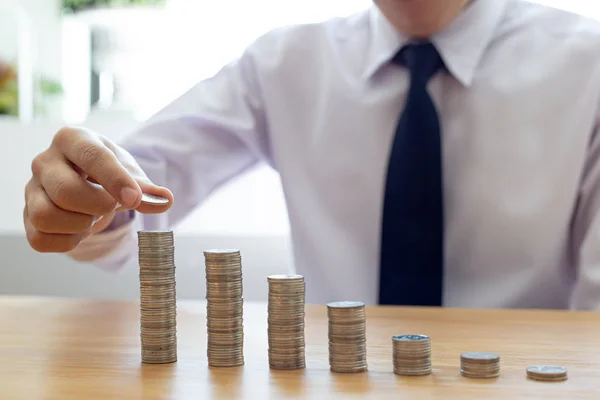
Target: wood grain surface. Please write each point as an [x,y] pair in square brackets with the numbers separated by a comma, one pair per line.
[56,349]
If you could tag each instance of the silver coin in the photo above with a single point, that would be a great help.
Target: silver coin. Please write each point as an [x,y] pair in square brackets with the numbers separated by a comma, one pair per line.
[349,370]
[154,200]
[411,337]
[223,252]
[285,277]
[468,374]
[548,378]
[159,235]
[547,369]
[547,372]
[479,356]
[346,304]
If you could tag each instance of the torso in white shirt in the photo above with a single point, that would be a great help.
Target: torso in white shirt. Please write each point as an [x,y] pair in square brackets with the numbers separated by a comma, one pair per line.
[519,108]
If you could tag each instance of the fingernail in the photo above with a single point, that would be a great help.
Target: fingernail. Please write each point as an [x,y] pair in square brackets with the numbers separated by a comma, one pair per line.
[129,196]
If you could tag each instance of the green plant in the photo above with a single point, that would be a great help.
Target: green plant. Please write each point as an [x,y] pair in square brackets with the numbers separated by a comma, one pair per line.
[78,5]
[9,90]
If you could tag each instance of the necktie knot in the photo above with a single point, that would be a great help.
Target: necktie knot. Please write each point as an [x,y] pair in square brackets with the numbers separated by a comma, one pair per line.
[422,59]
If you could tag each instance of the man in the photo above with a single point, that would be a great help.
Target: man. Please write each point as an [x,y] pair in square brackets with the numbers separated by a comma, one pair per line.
[432,152]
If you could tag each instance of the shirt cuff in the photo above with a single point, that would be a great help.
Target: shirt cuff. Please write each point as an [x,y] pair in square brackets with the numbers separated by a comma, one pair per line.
[109,249]
[120,219]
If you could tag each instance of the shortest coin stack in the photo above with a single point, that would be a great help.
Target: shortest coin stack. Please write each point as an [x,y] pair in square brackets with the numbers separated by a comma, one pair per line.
[548,373]
[480,365]
[286,322]
[347,337]
[411,355]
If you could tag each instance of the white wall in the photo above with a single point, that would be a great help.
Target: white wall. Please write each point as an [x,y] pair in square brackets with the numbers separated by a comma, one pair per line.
[44,16]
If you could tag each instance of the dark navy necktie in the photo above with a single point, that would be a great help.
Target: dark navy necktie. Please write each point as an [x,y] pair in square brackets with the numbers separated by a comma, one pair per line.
[412,226]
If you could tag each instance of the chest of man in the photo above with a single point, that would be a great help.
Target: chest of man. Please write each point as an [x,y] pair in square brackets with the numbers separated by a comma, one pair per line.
[514,147]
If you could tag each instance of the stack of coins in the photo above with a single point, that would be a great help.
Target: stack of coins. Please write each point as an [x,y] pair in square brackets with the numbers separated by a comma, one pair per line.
[158,299]
[224,308]
[347,337]
[411,355]
[480,365]
[547,373]
[286,322]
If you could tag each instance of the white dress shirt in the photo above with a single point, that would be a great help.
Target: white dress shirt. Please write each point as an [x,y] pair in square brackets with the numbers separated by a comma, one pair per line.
[320,102]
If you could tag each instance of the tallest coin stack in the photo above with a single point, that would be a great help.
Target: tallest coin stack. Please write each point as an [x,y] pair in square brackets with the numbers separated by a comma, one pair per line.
[224,308]
[158,300]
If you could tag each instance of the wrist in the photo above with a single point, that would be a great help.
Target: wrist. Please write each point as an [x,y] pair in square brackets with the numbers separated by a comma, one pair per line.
[119,219]
[113,221]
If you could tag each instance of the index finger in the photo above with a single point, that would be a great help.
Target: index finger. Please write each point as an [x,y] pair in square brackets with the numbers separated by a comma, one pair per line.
[91,156]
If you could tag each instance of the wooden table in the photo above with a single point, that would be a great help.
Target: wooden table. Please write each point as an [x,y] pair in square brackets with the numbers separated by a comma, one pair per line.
[55,349]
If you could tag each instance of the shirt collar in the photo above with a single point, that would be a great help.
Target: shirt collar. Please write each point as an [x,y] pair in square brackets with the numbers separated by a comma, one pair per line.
[461,44]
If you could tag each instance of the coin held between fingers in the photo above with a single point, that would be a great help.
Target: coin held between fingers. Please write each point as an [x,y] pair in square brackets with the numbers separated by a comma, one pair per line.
[147,199]
[154,200]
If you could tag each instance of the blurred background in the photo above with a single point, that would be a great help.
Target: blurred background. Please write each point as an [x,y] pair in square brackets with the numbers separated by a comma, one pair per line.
[109,64]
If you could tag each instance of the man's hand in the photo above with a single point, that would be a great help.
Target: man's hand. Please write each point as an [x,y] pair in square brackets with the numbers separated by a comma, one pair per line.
[78,184]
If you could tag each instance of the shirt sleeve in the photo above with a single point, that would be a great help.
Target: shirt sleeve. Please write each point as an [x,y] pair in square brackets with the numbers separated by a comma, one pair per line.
[209,135]
[585,231]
